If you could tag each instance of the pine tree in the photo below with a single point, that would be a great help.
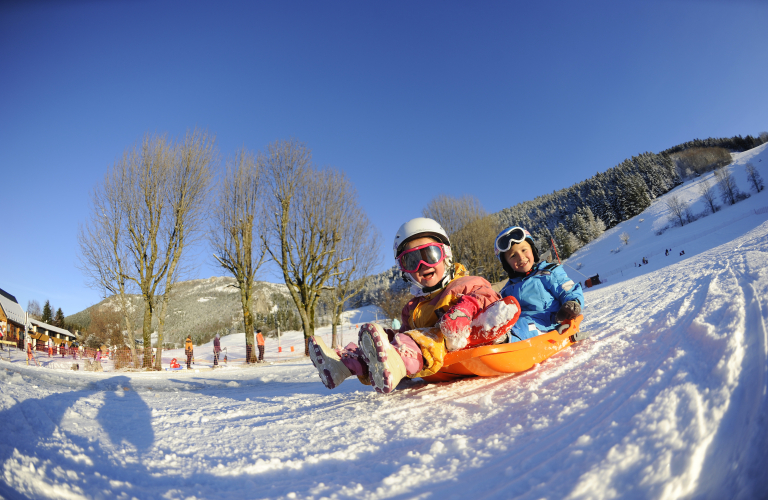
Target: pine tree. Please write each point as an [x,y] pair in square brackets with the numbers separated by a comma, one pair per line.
[595,226]
[634,196]
[58,320]
[566,242]
[47,313]
[579,227]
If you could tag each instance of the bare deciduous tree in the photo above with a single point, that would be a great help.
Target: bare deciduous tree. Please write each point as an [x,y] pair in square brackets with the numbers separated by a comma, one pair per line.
[707,192]
[106,326]
[306,213]
[103,250]
[236,236]
[678,209]
[392,302]
[624,237]
[753,176]
[728,189]
[187,195]
[701,160]
[145,214]
[34,309]
[358,252]
[471,231]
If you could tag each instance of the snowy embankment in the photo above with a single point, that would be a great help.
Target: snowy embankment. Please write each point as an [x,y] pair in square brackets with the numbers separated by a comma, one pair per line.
[666,400]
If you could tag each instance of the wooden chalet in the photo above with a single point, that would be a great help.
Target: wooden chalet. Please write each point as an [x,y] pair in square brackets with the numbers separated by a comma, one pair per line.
[40,333]
[12,318]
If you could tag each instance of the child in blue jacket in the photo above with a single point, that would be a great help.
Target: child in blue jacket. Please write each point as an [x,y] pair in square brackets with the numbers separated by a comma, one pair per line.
[546,294]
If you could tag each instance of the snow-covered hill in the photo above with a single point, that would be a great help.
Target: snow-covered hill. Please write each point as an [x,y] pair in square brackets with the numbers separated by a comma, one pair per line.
[666,400]
[614,261]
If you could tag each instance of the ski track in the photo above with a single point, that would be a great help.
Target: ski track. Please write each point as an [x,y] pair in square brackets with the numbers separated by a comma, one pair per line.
[666,400]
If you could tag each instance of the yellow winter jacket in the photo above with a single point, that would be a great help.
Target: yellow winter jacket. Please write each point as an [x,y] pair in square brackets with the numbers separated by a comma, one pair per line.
[420,315]
[421,312]
[188,347]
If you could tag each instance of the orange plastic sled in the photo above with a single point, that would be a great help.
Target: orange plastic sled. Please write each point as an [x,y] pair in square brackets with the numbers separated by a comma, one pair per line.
[502,359]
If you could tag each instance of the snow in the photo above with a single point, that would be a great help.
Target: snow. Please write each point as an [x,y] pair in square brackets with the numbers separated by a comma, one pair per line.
[493,316]
[667,399]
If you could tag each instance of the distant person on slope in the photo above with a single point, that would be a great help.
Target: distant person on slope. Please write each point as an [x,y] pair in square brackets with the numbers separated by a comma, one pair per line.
[437,320]
[546,294]
[216,350]
[189,350]
[260,342]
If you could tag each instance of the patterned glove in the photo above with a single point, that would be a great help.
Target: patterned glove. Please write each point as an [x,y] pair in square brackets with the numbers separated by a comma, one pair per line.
[455,323]
[568,311]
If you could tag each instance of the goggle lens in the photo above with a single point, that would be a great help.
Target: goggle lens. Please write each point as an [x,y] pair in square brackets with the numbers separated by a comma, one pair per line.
[504,242]
[430,255]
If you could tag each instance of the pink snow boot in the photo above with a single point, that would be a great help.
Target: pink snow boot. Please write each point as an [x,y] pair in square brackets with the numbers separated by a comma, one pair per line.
[384,362]
[353,359]
[329,365]
[409,352]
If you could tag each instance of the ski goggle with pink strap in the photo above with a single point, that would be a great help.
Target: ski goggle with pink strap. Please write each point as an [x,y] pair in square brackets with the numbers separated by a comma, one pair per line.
[430,255]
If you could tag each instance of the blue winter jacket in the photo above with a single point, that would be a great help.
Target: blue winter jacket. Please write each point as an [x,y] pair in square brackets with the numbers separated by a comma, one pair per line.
[540,293]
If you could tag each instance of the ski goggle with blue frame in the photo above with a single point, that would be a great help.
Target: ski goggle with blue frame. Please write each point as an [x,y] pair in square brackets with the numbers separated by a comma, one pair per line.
[508,237]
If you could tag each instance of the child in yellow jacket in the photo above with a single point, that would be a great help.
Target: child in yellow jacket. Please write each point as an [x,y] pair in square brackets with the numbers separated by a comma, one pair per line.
[444,315]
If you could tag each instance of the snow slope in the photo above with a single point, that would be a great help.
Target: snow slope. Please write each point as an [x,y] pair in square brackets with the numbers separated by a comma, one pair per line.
[666,400]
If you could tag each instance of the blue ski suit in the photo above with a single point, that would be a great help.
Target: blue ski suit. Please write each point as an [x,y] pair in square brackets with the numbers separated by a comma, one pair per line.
[541,293]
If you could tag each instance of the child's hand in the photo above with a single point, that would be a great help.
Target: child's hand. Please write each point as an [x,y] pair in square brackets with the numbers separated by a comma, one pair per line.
[568,311]
[455,323]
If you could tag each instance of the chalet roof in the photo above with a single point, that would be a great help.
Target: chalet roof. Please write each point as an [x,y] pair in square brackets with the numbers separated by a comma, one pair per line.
[11,307]
[51,327]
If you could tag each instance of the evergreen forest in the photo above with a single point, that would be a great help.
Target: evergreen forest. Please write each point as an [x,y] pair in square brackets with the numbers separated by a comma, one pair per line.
[578,214]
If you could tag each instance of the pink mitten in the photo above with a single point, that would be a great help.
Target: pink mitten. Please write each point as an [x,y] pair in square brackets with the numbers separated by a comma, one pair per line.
[455,323]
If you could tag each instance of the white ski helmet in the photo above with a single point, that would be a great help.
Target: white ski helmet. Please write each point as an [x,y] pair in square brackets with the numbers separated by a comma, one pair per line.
[420,227]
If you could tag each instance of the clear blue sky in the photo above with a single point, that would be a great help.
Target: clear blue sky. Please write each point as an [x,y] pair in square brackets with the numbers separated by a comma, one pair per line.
[501,100]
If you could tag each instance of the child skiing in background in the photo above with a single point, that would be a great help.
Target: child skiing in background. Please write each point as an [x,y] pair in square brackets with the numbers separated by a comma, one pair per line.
[546,294]
[437,320]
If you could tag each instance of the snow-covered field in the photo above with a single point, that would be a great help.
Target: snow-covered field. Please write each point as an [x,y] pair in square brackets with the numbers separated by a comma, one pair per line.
[666,400]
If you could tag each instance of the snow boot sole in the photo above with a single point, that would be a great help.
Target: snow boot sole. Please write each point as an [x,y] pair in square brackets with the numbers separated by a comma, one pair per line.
[329,366]
[385,365]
